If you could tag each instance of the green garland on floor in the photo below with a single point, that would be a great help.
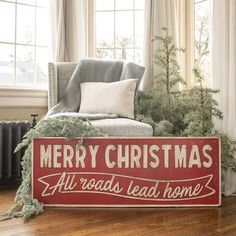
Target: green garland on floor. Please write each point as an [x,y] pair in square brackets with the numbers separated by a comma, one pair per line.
[69,127]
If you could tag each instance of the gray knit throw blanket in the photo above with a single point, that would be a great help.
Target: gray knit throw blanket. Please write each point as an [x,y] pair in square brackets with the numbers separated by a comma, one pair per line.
[94,70]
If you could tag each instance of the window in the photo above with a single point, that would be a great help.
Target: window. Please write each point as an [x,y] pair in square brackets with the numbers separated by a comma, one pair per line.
[23,42]
[119,29]
[202,39]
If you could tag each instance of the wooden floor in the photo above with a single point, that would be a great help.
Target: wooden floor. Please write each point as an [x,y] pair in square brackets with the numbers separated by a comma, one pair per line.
[154,221]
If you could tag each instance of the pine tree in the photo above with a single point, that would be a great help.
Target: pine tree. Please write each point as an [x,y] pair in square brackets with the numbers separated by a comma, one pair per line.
[228,150]
[166,59]
[200,108]
[161,102]
[184,113]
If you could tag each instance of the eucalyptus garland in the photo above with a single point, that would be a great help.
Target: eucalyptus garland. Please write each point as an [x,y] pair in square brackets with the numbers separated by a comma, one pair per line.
[69,127]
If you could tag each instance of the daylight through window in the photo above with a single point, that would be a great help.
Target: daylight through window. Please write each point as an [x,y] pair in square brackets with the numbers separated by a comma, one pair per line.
[23,42]
[202,58]
[119,29]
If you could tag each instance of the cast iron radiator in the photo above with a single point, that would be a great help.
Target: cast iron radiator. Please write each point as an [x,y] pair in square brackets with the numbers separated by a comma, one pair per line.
[11,133]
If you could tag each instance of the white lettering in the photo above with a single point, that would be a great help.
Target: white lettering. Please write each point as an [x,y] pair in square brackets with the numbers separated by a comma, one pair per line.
[135,154]
[145,156]
[123,158]
[93,151]
[180,156]
[194,158]
[45,156]
[80,156]
[166,149]
[109,148]
[68,155]
[57,154]
[206,148]
[154,164]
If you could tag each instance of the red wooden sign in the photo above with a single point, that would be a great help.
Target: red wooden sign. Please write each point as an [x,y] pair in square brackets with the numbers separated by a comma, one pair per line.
[127,172]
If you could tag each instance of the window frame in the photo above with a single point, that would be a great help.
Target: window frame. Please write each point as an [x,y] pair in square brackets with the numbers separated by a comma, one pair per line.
[19,96]
[114,47]
[23,95]
[188,41]
[35,46]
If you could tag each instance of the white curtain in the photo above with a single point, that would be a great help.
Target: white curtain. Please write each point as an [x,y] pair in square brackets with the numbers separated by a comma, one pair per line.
[69,29]
[158,14]
[224,72]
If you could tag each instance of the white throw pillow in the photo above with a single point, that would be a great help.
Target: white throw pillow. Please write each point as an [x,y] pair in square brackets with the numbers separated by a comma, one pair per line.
[109,98]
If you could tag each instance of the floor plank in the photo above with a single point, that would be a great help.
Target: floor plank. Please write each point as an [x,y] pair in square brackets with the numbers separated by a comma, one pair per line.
[126,221]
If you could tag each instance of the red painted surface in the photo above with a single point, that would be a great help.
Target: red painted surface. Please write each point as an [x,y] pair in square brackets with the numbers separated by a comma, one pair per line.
[127,171]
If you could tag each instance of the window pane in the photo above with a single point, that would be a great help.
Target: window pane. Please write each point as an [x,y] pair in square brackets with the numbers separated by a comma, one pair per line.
[30,2]
[139,4]
[124,4]
[25,65]
[42,29]
[42,63]
[124,42]
[118,39]
[202,39]
[7,15]
[105,53]
[139,26]
[138,56]
[6,64]
[42,3]
[105,29]
[104,5]
[25,24]
[125,54]
[124,27]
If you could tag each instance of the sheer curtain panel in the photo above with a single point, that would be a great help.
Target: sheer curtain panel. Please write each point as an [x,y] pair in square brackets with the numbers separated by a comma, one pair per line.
[224,73]
[158,14]
[72,27]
